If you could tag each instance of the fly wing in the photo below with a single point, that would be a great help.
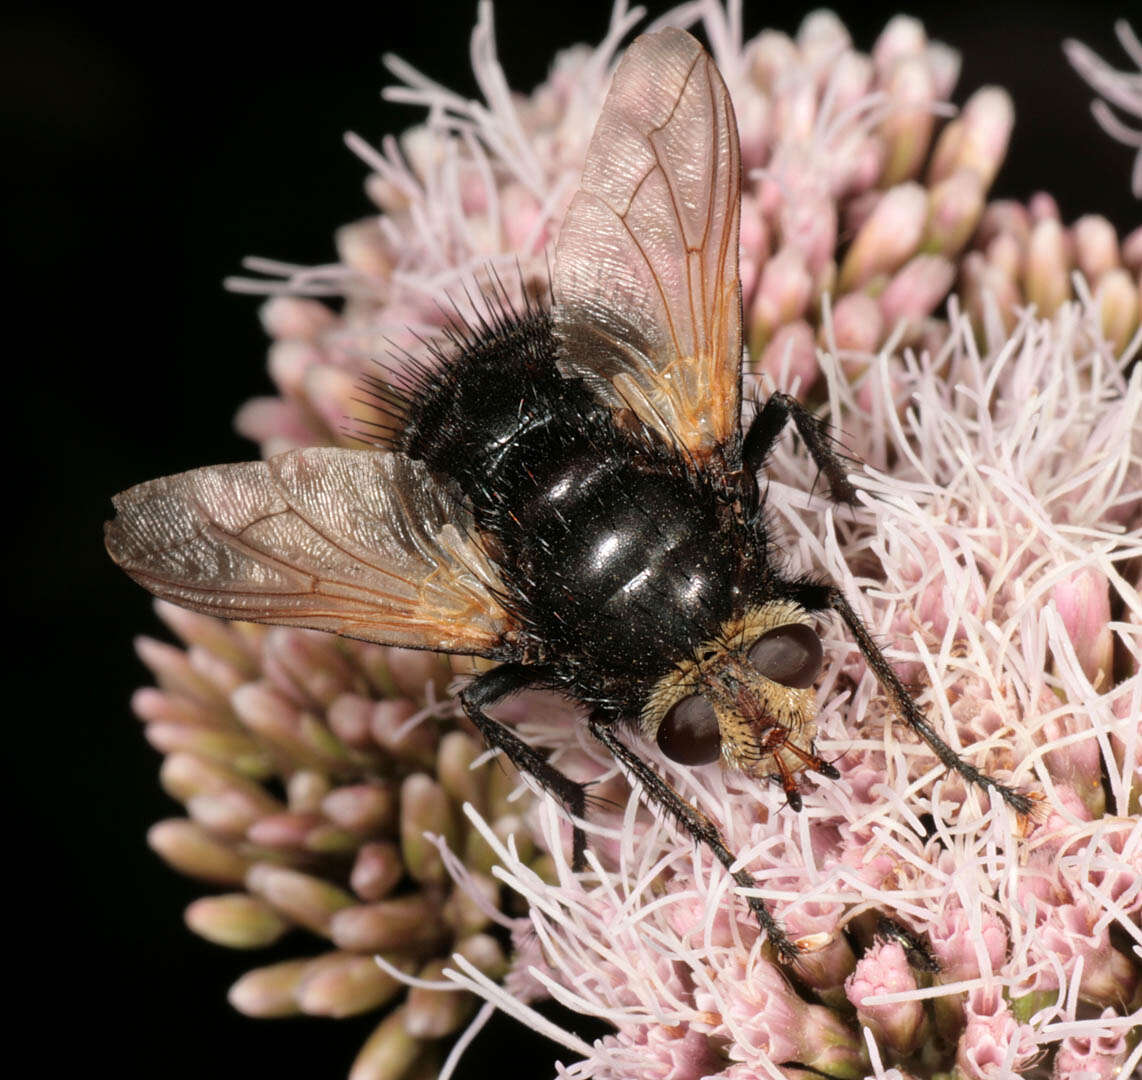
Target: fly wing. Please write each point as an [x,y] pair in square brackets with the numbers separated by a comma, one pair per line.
[648,299]
[359,542]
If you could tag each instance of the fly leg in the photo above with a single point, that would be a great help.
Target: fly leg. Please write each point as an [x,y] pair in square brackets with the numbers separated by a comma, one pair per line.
[485,691]
[771,421]
[700,828]
[815,597]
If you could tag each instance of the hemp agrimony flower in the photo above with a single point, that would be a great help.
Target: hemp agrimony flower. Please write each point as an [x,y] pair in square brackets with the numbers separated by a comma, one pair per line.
[977,357]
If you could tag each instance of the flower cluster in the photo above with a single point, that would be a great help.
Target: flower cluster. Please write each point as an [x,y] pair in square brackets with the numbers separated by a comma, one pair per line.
[834,143]
[996,556]
[311,770]
[997,559]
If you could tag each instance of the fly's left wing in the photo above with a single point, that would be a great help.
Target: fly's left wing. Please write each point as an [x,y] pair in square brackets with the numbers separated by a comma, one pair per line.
[648,299]
[359,542]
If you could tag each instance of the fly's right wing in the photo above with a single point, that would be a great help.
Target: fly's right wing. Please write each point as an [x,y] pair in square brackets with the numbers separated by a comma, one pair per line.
[648,298]
[362,543]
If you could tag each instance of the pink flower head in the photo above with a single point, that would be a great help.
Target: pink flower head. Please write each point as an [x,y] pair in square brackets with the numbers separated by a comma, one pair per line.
[994,553]
[1098,1055]
[993,1044]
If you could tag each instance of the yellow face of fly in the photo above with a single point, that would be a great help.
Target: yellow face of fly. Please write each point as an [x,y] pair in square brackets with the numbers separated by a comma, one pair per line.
[745,698]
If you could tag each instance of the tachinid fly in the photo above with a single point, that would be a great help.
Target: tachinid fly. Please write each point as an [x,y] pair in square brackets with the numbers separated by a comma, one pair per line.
[568,491]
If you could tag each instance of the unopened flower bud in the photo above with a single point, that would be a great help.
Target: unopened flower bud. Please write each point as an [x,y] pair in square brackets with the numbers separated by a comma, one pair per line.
[454,760]
[236,920]
[916,290]
[385,194]
[1046,279]
[361,246]
[189,848]
[858,327]
[432,1014]
[212,635]
[377,870]
[808,223]
[308,666]
[1083,603]
[409,923]
[186,776]
[902,38]
[1043,206]
[821,38]
[295,318]
[231,748]
[272,716]
[889,236]
[769,57]
[396,732]
[1118,307]
[466,910]
[153,706]
[307,900]
[289,361]
[1004,217]
[954,209]
[349,985]
[173,671]
[907,129]
[850,79]
[754,111]
[977,139]
[987,290]
[1132,251]
[791,357]
[485,954]
[269,992]
[283,832]
[389,1052]
[364,808]
[426,808]
[276,425]
[944,63]
[1006,257]
[330,393]
[228,813]
[782,296]
[349,718]
[902,1025]
[1095,246]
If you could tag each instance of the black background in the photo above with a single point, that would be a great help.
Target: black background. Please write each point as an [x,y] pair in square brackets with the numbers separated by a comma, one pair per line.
[153,151]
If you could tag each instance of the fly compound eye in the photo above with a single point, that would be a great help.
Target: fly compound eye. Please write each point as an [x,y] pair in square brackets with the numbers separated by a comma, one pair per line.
[689,732]
[790,655]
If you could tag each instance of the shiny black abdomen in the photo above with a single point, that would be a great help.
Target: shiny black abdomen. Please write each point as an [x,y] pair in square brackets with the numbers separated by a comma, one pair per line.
[619,556]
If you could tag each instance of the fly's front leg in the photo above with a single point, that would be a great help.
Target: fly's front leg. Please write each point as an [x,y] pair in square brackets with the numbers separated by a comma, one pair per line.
[700,827]
[484,692]
[819,597]
[768,424]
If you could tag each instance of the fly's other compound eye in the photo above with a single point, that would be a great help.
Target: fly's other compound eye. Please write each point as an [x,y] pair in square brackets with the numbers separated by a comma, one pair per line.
[790,655]
[689,732]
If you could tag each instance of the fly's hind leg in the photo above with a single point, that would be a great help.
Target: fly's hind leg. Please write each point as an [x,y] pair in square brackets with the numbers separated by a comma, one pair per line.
[768,424]
[814,597]
[700,827]
[484,692]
